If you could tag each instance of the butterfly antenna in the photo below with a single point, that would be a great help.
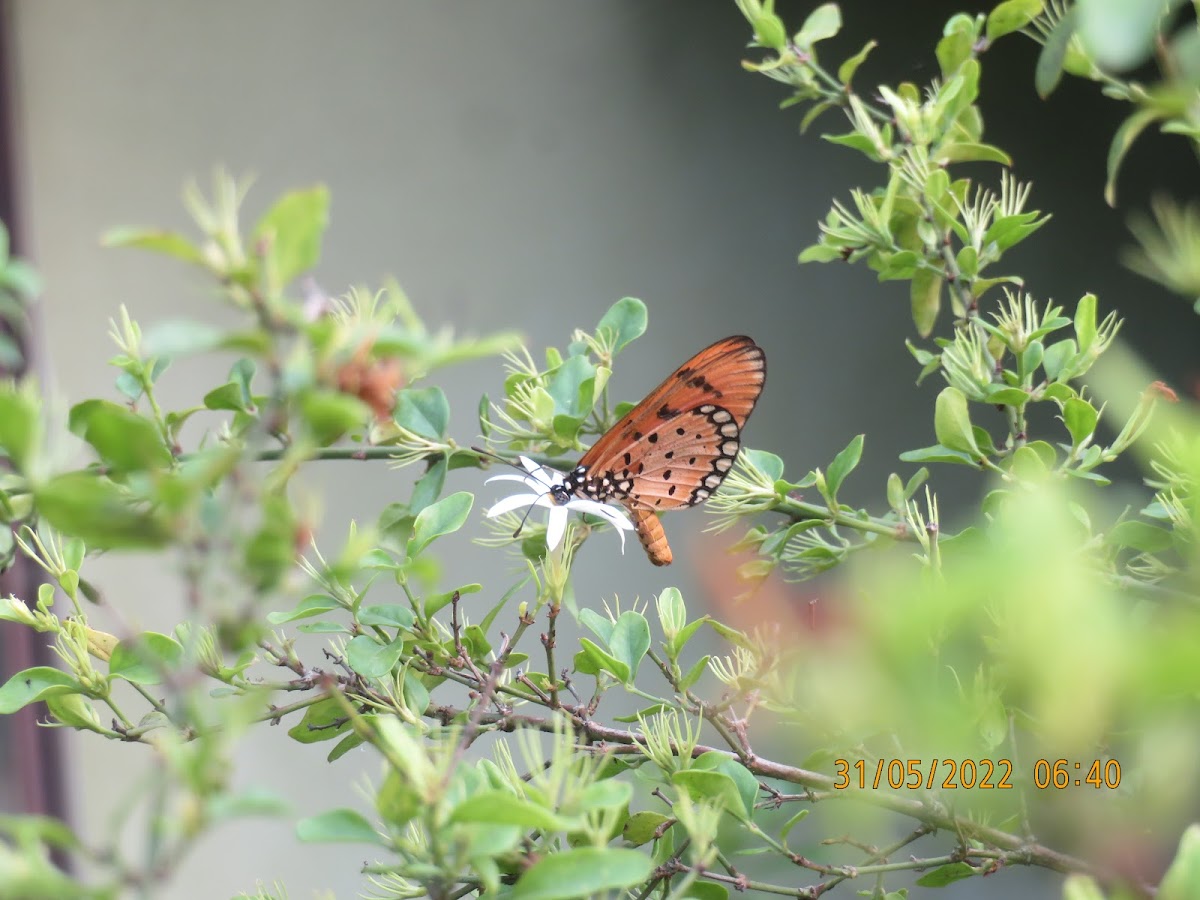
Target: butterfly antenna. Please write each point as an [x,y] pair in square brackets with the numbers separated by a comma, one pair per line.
[497,457]
[524,519]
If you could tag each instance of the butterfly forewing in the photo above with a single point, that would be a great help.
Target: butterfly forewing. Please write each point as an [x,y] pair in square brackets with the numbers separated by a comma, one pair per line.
[675,447]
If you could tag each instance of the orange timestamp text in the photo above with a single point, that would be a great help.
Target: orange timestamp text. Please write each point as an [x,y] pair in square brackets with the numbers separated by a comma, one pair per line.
[1060,774]
[914,774]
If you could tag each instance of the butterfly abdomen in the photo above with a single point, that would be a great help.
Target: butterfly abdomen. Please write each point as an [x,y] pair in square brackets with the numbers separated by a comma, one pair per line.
[654,539]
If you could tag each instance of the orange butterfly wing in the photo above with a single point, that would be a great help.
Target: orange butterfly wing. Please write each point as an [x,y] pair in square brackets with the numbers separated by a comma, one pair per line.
[676,447]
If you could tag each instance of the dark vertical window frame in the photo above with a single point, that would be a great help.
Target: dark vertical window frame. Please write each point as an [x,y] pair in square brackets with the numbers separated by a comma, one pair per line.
[35,751]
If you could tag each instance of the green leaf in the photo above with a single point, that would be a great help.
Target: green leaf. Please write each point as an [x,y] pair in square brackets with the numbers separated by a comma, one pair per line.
[1080,417]
[926,297]
[294,227]
[444,517]
[181,337]
[1054,53]
[746,783]
[1006,396]
[1082,887]
[567,386]
[20,427]
[371,659]
[98,511]
[168,243]
[843,464]
[428,487]
[952,422]
[227,396]
[709,785]
[1140,536]
[338,825]
[35,684]
[629,641]
[640,827]
[389,615]
[502,808]
[323,721]
[954,48]
[330,414]
[582,872]
[423,411]
[311,605]
[624,322]
[792,823]
[1010,16]
[1122,140]
[767,463]
[948,874]
[124,440]
[1118,34]
[1085,322]
[822,23]
[847,69]
[1182,880]
[969,151]
[1058,357]
[598,660]
[940,454]
[142,659]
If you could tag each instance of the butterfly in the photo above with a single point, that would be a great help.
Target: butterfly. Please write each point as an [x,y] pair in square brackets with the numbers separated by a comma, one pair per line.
[675,447]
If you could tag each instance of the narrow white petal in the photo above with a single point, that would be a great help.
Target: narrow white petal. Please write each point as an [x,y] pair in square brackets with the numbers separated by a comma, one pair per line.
[524,479]
[556,526]
[516,501]
[609,513]
[544,475]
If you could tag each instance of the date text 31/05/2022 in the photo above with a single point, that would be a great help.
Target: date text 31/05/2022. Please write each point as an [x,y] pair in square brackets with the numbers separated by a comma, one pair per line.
[980,774]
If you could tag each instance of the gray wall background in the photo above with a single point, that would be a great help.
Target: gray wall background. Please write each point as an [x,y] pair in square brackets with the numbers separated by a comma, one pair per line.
[519,164]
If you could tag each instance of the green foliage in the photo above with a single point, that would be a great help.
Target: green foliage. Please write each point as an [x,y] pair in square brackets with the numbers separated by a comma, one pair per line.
[1049,622]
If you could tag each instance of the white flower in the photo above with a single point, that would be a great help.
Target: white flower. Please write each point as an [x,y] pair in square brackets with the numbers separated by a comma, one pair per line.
[543,481]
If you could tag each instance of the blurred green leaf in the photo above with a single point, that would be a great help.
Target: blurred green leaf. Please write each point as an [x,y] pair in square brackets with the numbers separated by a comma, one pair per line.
[582,872]
[1182,881]
[504,808]
[125,441]
[847,69]
[98,511]
[168,243]
[1122,140]
[822,23]
[1054,53]
[20,426]
[141,660]
[338,825]
[293,229]
[1010,16]
[330,414]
